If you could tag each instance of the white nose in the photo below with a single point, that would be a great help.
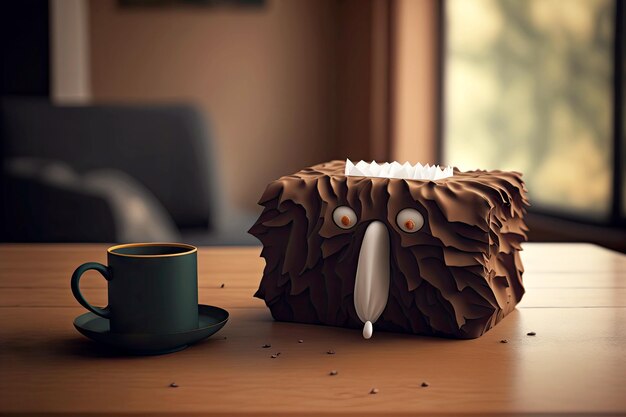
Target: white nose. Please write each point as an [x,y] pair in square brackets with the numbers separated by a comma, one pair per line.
[371,287]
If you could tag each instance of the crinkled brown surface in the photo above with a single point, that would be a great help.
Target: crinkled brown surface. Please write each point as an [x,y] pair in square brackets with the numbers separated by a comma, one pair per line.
[456,277]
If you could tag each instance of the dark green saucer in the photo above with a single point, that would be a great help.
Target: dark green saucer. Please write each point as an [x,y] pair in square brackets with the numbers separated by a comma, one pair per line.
[210,320]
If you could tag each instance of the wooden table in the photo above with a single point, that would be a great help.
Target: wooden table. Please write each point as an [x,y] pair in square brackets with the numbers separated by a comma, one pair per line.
[576,363]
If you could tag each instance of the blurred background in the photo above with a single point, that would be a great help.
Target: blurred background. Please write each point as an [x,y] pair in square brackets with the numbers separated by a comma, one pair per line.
[135,120]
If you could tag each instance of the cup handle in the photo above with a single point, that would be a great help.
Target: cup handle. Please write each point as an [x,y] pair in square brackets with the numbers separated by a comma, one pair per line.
[105,272]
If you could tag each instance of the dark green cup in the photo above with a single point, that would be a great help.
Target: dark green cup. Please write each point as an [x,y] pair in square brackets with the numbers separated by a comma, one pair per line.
[153,288]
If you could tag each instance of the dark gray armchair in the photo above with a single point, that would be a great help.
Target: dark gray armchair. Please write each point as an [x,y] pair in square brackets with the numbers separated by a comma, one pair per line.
[112,174]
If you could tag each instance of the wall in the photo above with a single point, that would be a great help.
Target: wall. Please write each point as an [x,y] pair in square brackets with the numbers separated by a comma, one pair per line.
[414,81]
[354,55]
[265,77]
[69,61]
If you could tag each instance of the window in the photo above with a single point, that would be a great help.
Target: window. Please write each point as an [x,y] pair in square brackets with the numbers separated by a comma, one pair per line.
[529,86]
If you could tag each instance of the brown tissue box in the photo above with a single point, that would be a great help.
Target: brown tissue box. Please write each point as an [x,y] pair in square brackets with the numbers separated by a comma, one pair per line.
[456,275]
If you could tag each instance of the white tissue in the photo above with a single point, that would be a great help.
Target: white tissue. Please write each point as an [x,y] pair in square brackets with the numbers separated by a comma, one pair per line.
[397,170]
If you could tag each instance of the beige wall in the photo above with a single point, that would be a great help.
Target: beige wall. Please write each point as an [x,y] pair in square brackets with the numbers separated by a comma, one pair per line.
[69,61]
[414,77]
[264,76]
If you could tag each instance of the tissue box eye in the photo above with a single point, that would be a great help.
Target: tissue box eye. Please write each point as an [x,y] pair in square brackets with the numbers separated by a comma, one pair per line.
[410,220]
[405,248]
[344,217]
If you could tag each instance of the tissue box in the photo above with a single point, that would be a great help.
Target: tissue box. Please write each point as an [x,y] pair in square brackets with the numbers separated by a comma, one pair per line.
[369,246]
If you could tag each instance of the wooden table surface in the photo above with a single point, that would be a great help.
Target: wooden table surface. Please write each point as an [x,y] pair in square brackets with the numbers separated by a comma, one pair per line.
[576,363]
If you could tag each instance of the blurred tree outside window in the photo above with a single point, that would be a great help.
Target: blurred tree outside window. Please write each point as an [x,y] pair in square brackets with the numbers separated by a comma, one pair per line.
[529,87]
